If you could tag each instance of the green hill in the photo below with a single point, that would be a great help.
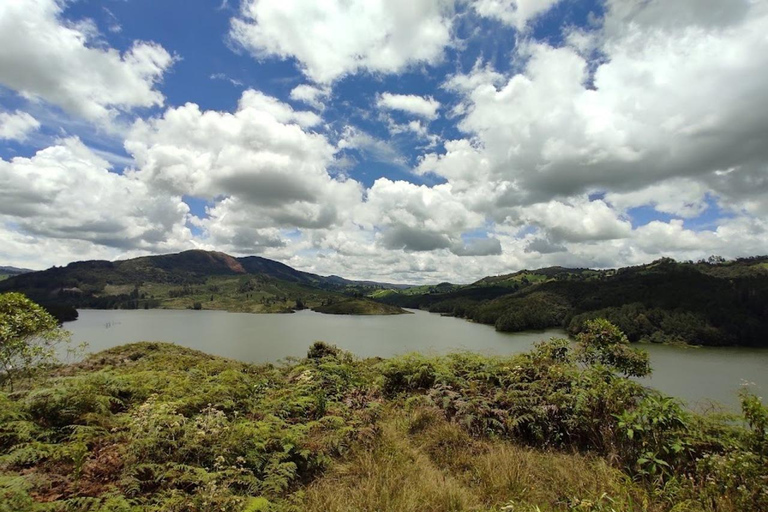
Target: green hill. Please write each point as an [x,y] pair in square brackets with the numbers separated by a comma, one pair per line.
[705,303]
[188,280]
[358,306]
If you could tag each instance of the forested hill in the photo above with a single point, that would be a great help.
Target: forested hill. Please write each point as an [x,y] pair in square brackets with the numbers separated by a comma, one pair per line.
[192,279]
[706,303]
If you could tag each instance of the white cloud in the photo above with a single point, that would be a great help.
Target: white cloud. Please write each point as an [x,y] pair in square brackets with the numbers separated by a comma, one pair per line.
[257,101]
[374,149]
[17,126]
[517,13]
[734,237]
[682,197]
[67,193]
[313,96]
[578,220]
[421,106]
[672,99]
[44,56]
[224,77]
[417,217]
[337,37]
[259,166]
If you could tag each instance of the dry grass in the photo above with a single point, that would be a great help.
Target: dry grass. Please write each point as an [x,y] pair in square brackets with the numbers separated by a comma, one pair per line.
[391,475]
[423,463]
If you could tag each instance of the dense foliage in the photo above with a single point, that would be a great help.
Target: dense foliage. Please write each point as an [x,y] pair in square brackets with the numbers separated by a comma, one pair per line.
[28,338]
[153,426]
[706,303]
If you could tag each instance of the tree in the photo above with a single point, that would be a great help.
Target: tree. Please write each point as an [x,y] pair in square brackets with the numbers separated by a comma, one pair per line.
[28,337]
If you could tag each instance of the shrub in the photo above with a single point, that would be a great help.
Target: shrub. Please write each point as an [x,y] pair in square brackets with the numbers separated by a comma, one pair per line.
[602,342]
[28,338]
[408,373]
[321,349]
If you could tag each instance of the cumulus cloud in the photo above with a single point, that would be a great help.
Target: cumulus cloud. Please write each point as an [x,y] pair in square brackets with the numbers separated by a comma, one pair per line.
[375,149]
[260,165]
[434,209]
[413,239]
[517,13]
[17,126]
[66,192]
[262,151]
[742,188]
[673,99]
[479,247]
[577,220]
[680,197]
[334,38]
[417,218]
[313,96]
[421,106]
[45,57]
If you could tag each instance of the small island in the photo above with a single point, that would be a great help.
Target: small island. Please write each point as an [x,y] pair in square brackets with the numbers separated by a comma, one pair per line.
[357,306]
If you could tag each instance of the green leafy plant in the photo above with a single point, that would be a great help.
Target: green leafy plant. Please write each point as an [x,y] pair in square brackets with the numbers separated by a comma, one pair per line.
[28,338]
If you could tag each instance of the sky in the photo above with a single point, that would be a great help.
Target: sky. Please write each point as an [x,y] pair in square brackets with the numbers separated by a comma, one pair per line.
[396,140]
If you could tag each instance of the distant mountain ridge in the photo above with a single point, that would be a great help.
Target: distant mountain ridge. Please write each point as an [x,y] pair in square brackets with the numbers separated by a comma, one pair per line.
[12,271]
[196,263]
[194,279]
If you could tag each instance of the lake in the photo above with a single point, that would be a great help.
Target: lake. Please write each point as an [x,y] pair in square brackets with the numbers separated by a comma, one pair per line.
[697,375]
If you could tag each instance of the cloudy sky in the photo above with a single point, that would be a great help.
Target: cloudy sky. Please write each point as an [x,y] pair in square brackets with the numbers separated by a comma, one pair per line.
[397,140]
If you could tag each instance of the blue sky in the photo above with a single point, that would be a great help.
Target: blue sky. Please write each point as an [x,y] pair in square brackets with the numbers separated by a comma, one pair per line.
[447,139]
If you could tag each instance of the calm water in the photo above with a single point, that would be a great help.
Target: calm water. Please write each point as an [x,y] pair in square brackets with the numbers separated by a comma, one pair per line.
[694,374]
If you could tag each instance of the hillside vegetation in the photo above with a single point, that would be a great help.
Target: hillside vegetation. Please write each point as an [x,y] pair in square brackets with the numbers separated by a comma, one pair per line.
[188,280]
[155,427]
[358,306]
[705,303]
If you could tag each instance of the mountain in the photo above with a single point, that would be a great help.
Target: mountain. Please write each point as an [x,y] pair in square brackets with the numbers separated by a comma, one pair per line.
[6,272]
[705,303]
[191,279]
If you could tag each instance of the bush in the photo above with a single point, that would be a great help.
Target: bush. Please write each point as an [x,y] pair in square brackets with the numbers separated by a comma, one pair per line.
[602,342]
[408,373]
[321,349]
